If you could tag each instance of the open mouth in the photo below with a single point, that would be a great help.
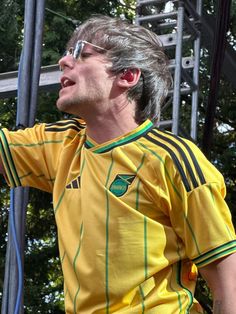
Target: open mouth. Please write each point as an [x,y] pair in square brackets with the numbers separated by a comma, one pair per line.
[65,82]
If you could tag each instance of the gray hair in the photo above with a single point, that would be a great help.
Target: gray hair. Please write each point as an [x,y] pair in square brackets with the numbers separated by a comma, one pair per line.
[131,46]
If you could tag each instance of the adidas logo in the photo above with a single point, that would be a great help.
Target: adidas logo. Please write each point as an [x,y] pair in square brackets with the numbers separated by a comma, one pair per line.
[75,184]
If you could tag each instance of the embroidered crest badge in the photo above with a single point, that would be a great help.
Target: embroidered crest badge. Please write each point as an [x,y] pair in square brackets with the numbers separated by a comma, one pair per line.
[121,183]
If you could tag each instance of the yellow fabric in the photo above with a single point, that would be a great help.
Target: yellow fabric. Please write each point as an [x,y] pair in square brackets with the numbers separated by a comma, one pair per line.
[134,215]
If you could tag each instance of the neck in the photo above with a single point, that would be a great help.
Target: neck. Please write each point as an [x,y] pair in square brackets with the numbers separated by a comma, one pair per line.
[111,123]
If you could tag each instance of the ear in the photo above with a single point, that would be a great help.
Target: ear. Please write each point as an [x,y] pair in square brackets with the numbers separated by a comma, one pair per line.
[128,78]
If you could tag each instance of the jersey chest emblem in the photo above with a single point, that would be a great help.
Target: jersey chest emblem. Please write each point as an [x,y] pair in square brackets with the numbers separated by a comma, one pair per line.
[121,183]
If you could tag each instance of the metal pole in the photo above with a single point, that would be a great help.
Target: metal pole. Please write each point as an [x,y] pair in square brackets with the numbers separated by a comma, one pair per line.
[28,81]
[195,94]
[178,67]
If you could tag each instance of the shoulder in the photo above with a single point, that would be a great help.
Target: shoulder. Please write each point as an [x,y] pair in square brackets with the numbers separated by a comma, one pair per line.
[65,126]
[40,133]
[182,154]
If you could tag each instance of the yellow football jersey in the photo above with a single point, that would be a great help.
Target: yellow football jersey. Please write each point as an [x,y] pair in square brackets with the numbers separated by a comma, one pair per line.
[134,215]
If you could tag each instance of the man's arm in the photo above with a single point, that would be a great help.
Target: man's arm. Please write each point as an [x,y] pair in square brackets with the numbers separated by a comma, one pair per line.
[221,278]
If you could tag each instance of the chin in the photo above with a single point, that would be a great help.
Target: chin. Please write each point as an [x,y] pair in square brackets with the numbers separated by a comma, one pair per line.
[66,106]
[62,106]
[59,104]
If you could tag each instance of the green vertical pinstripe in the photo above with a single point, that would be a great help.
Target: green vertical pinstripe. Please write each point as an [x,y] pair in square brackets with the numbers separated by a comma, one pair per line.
[177,193]
[78,150]
[63,256]
[145,262]
[138,184]
[78,250]
[145,237]
[145,248]
[173,271]
[229,232]
[177,292]
[166,171]
[178,275]
[77,292]
[143,297]
[213,199]
[137,196]
[74,265]
[107,236]
[62,195]
[59,202]
[192,233]
[82,168]
[212,195]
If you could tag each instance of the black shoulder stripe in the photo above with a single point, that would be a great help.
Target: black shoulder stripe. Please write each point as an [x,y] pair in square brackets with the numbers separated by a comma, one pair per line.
[175,159]
[61,126]
[81,125]
[183,155]
[194,160]
[54,129]
[61,123]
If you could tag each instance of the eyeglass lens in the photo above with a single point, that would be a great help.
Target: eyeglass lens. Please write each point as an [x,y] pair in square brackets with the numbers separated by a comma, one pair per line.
[76,52]
[78,49]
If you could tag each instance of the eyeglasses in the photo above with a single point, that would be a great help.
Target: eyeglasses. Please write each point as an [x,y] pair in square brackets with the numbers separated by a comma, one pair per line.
[76,51]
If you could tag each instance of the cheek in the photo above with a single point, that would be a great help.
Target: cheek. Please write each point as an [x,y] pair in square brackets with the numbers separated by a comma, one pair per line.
[96,81]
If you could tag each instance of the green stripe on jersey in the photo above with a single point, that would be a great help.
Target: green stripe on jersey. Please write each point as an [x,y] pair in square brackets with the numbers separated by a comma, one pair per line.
[107,236]
[74,266]
[188,292]
[216,253]
[166,170]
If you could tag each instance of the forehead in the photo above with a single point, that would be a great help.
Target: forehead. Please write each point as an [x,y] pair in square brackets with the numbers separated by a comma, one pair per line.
[76,38]
[87,34]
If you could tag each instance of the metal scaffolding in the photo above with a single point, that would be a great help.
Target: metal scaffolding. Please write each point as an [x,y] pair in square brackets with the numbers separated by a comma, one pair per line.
[177,24]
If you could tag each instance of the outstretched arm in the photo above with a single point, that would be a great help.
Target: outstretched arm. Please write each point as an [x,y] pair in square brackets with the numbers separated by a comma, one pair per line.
[221,278]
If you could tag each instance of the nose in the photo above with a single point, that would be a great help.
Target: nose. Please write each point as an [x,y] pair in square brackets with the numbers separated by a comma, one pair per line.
[66,61]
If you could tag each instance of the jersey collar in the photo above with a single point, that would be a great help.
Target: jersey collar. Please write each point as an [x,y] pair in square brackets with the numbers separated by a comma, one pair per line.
[119,141]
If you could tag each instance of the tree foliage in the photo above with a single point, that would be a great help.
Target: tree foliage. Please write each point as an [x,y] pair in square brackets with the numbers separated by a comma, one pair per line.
[43,278]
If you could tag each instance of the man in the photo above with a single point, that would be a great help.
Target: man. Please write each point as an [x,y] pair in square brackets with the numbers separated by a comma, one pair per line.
[137,209]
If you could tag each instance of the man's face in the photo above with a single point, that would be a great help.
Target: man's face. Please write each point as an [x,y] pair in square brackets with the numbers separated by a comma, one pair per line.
[86,81]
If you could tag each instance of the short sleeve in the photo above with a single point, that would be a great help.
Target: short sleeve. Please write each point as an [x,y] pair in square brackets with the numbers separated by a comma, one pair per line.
[31,156]
[201,217]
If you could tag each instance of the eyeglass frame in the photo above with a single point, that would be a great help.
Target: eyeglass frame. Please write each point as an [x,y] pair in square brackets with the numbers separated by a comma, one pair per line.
[76,51]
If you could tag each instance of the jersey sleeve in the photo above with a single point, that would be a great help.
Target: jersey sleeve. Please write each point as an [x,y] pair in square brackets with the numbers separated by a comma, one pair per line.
[31,156]
[198,211]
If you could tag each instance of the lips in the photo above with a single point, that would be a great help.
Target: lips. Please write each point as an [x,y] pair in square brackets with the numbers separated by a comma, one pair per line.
[66,82]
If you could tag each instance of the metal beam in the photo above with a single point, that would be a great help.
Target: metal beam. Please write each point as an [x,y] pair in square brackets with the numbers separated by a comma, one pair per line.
[49,78]
[49,81]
